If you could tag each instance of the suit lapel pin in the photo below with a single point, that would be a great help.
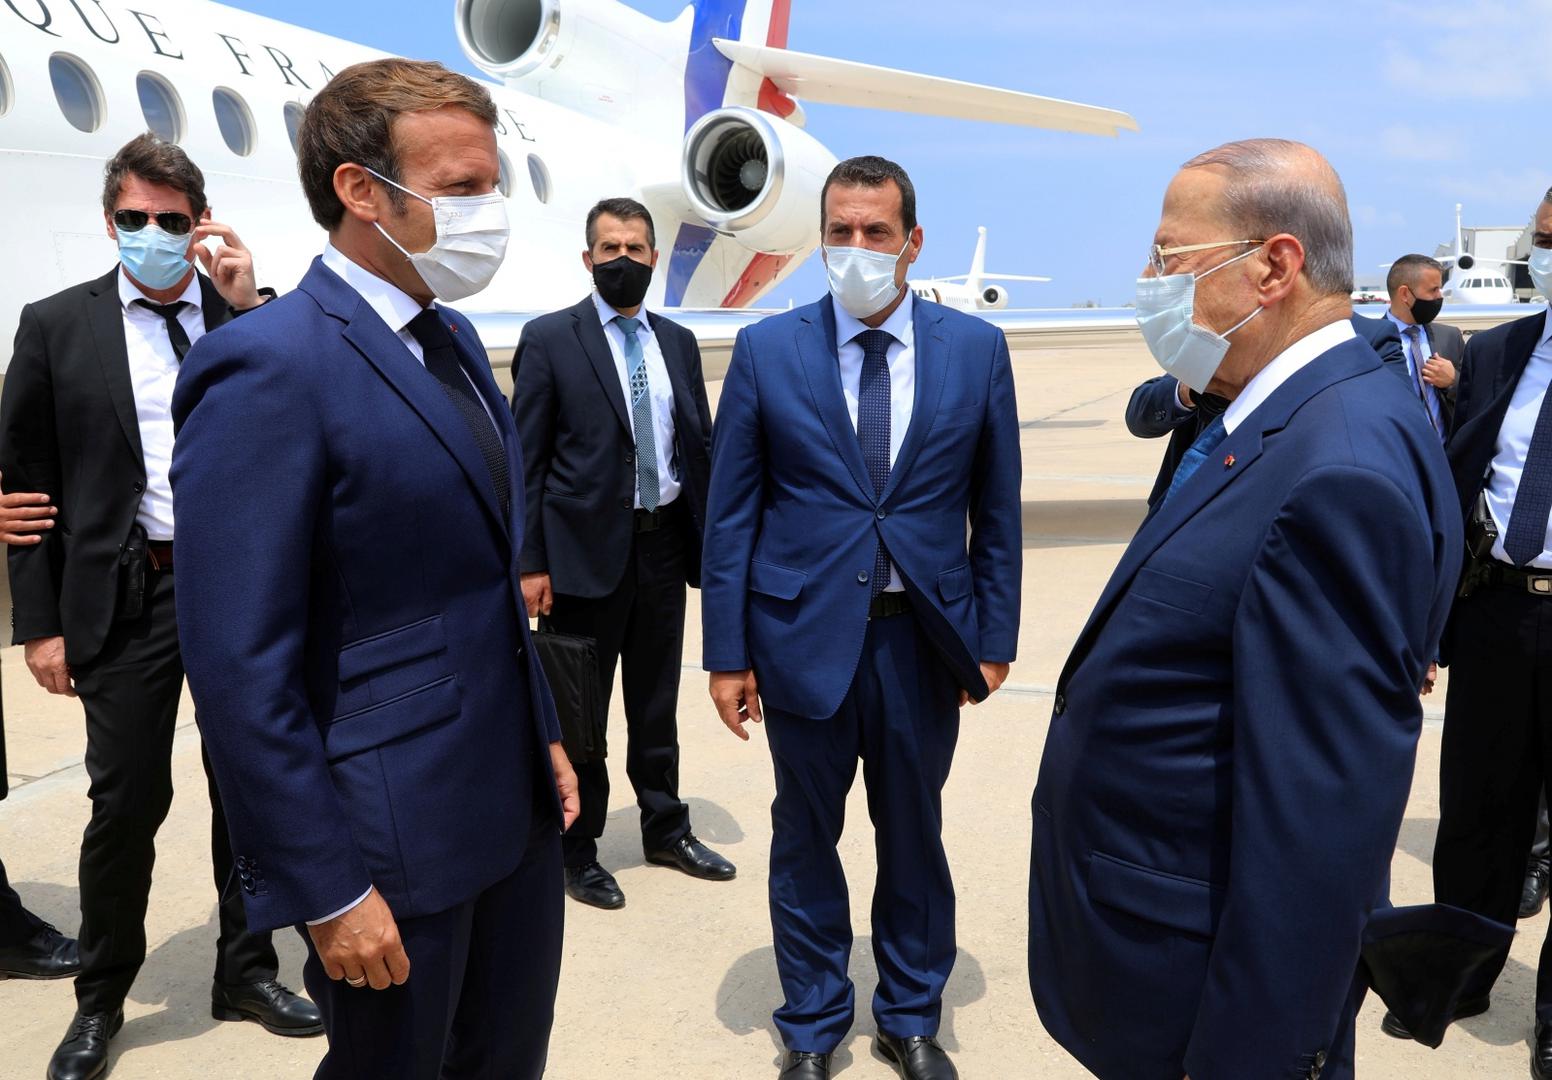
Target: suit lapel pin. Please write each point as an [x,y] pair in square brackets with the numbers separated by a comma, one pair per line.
[1228,462]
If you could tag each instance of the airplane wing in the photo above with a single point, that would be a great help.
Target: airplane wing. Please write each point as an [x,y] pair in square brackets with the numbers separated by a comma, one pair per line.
[992,277]
[830,81]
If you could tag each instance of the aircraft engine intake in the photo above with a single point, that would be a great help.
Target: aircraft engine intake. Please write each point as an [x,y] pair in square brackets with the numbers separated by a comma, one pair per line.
[508,37]
[755,177]
[1465,262]
[994,298]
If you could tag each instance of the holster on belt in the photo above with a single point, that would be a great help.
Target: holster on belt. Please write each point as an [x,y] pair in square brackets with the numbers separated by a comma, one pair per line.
[132,575]
[1481,535]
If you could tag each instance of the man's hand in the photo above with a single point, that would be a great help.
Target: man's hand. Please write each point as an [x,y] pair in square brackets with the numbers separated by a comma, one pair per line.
[1438,372]
[46,660]
[24,517]
[994,674]
[230,265]
[1430,679]
[737,698]
[537,594]
[363,943]
[566,784]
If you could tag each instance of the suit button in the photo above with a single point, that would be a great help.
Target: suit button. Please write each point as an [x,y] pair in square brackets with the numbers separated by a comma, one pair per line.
[882,514]
[139,487]
[242,862]
[862,577]
[1060,705]
[625,504]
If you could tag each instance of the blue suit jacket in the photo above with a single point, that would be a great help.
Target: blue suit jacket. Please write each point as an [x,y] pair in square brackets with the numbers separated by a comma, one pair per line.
[793,525]
[351,613]
[1233,739]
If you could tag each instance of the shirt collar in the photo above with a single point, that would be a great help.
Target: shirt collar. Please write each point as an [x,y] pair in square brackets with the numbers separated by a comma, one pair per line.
[128,293]
[1283,367]
[607,314]
[898,326]
[1404,327]
[392,304]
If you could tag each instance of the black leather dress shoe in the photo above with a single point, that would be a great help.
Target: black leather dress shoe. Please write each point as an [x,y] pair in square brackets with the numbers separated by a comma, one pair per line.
[801,1065]
[592,884]
[1463,1008]
[83,1054]
[1538,876]
[1541,1052]
[694,858]
[918,1057]
[48,954]
[276,1008]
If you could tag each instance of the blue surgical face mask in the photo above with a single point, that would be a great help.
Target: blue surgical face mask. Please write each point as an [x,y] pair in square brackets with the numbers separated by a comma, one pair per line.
[1541,270]
[156,259]
[1189,352]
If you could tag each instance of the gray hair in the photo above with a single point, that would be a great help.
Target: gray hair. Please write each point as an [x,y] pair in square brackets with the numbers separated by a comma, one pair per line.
[1279,186]
[1549,195]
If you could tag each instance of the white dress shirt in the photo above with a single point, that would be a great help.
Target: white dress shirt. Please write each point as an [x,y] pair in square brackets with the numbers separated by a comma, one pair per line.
[153,371]
[1503,476]
[1283,367]
[660,391]
[902,378]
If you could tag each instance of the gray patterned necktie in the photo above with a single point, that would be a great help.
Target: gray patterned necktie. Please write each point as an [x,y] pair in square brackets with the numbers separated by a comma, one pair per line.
[641,414]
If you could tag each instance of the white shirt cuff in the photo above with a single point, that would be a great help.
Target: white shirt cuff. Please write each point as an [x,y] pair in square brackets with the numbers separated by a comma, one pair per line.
[1179,402]
[348,907]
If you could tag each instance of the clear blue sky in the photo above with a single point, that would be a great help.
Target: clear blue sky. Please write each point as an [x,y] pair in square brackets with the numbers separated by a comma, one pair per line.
[1419,105]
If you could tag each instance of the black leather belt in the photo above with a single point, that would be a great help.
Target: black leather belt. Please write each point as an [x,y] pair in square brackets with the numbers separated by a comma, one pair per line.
[159,555]
[888,604]
[1502,576]
[653,520]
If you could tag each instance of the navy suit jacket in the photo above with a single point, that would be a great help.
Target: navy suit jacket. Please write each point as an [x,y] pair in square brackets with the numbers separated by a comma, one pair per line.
[351,613]
[793,525]
[1233,738]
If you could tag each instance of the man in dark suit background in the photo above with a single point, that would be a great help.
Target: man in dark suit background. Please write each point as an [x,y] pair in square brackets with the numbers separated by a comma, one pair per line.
[856,440]
[611,407]
[355,631]
[1497,750]
[1232,739]
[1162,405]
[29,947]
[86,420]
[1433,350]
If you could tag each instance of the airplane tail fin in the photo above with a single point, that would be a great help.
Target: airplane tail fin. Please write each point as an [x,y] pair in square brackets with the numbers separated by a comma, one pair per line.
[978,261]
[712,80]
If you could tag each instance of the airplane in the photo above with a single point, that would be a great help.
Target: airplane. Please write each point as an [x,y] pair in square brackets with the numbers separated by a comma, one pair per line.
[969,292]
[701,118]
[1474,279]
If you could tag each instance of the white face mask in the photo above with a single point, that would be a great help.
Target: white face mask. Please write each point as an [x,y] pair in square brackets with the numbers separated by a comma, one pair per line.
[1541,270]
[471,242]
[863,281]
[1189,352]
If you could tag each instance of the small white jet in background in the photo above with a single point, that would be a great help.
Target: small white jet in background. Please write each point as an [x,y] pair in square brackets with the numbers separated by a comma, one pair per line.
[969,292]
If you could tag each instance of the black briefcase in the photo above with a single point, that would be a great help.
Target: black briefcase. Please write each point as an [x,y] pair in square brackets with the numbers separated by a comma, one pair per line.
[571,666]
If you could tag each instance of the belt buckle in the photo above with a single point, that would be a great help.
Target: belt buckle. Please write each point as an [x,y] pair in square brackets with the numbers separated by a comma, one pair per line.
[1539,584]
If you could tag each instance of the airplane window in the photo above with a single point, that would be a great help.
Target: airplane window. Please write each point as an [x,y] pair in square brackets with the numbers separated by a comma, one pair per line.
[539,173]
[505,183]
[5,88]
[235,120]
[159,102]
[76,90]
[294,114]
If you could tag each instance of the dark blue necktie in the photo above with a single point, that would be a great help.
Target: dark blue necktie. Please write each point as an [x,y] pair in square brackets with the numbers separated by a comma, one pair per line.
[442,361]
[1526,536]
[873,427]
[1213,434]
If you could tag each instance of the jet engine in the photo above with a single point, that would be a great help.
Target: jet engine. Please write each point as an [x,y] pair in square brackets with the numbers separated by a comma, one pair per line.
[567,47]
[1466,262]
[754,177]
[994,298]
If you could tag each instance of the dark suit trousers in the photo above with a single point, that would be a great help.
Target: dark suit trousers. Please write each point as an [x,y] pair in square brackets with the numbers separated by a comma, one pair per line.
[130,693]
[641,626]
[17,924]
[480,999]
[1494,760]
[901,717]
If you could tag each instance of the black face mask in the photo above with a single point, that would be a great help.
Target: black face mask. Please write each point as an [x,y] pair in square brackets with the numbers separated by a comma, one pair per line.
[622,282]
[1426,311]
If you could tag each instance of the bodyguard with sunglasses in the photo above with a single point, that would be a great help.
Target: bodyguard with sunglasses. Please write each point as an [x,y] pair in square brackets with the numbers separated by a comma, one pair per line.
[86,419]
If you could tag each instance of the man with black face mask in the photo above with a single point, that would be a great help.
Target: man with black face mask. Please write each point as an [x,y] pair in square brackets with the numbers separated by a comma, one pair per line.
[1433,350]
[616,432]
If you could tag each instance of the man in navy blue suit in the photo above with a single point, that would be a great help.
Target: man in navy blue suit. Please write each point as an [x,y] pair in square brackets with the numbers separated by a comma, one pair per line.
[1232,738]
[855,440]
[350,520]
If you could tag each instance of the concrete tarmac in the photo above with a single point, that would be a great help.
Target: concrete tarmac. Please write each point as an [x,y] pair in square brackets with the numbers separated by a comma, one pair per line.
[681,982]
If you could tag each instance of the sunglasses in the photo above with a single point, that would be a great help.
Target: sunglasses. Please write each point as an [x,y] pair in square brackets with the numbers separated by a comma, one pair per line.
[169,222]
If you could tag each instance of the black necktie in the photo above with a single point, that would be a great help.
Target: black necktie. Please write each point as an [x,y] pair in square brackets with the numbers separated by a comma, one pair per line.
[873,422]
[442,361]
[175,332]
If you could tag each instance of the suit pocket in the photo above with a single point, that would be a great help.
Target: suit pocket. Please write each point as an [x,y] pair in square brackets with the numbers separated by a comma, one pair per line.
[557,493]
[968,414]
[768,579]
[1180,903]
[392,648]
[1172,591]
[378,725]
[955,583]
